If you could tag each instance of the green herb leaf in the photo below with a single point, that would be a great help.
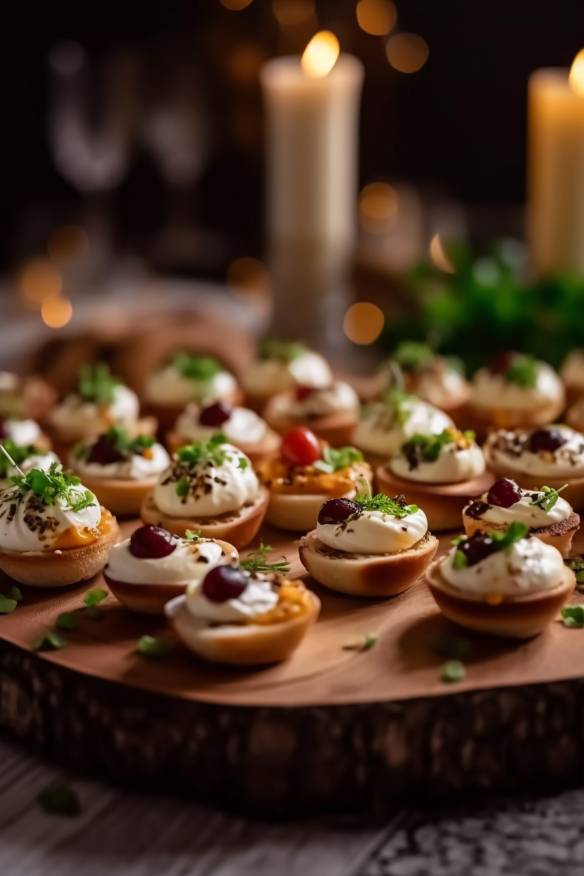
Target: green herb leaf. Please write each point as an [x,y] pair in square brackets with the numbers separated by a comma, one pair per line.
[18,452]
[55,484]
[151,646]
[67,621]
[256,561]
[198,452]
[282,351]
[459,560]
[452,647]
[97,384]
[514,532]
[576,564]
[452,671]
[364,642]
[182,488]
[412,355]
[546,497]
[15,593]
[399,403]
[573,616]
[522,371]
[427,448]
[338,458]
[396,507]
[49,641]
[59,798]
[196,367]
[94,597]
[192,535]
[243,463]
[7,605]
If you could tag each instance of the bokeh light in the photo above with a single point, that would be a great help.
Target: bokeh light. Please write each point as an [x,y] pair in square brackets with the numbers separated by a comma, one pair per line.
[376,17]
[67,243]
[235,5]
[577,73]
[407,52]
[56,312]
[363,322]
[439,256]
[38,280]
[320,55]
[378,207]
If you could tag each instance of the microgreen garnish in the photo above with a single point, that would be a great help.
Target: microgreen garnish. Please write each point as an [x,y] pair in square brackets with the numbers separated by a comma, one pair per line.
[59,798]
[546,497]
[153,646]
[452,671]
[467,554]
[573,616]
[242,463]
[67,621]
[364,642]
[427,448]
[55,484]
[129,444]
[399,403]
[336,459]
[411,355]
[49,641]
[182,488]
[452,647]
[576,564]
[192,535]
[396,507]
[256,561]
[514,532]
[522,371]
[199,452]
[18,453]
[196,367]
[97,384]
[283,351]
[15,592]
[459,561]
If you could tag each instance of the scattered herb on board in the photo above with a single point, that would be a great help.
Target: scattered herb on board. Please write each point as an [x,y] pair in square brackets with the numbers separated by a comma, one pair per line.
[364,642]
[67,621]
[153,646]
[573,616]
[257,561]
[58,798]
[452,671]
[92,600]
[49,641]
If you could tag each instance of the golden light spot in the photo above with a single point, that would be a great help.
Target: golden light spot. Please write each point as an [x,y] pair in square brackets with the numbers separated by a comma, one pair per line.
[440,257]
[407,52]
[39,279]
[363,322]
[320,55]
[293,13]
[247,276]
[235,5]
[56,312]
[376,17]
[378,207]
[245,62]
[577,73]
[67,242]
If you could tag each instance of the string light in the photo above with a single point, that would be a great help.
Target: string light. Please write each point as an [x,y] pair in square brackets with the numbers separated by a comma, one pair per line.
[376,17]
[407,52]
[363,322]
[378,207]
[56,312]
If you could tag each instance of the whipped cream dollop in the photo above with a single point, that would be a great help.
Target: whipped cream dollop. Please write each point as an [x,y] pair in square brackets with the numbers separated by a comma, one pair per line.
[374,532]
[453,465]
[135,467]
[528,566]
[258,598]
[187,564]
[77,417]
[306,403]
[526,511]
[512,450]
[266,377]
[244,426]
[383,428]
[24,432]
[572,370]
[491,390]
[28,524]
[208,488]
[169,386]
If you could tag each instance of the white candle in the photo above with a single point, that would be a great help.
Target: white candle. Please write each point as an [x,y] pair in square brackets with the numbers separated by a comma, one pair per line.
[312,109]
[556,169]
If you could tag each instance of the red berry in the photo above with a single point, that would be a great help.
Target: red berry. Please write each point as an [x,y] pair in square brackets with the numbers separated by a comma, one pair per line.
[477,547]
[337,510]
[215,414]
[223,583]
[546,439]
[151,543]
[476,510]
[104,451]
[300,446]
[504,493]
[303,392]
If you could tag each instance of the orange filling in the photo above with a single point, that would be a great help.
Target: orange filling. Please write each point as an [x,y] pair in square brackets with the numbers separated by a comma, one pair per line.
[293,600]
[75,537]
[281,477]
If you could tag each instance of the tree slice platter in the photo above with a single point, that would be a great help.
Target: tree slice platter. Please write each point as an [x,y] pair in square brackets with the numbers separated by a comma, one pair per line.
[330,728]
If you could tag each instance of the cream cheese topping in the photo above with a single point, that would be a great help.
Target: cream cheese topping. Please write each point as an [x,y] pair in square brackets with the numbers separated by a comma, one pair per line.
[511,449]
[77,417]
[374,532]
[24,432]
[525,511]
[212,489]
[168,386]
[572,370]
[495,391]
[453,466]
[258,598]
[187,564]
[27,524]
[244,426]
[136,467]
[528,566]
[381,431]
[266,377]
[338,398]
[42,460]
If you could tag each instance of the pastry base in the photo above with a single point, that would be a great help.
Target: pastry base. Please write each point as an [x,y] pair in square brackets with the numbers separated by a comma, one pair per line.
[237,528]
[122,497]
[442,503]
[519,617]
[257,453]
[559,535]
[373,575]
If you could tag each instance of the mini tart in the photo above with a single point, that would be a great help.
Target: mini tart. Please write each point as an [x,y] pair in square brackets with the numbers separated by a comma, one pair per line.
[269,638]
[375,575]
[336,429]
[238,528]
[559,534]
[167,415]
[574,487]
[514,617]
[25,398]
[64,442]
[296,499]
[258,452]
[442,503]
[151,598]
[63,566]
[123,496]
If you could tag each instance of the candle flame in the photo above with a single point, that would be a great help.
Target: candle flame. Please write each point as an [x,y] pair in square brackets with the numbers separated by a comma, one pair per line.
[577,73]
[320,55]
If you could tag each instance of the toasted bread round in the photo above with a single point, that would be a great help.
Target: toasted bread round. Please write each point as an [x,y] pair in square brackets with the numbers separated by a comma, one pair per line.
[258,452]
[515,617]
[442,503]
[151,598]
[336,429]
[366,575]
[240,644]
[238,528]
[560,534]
[63,567]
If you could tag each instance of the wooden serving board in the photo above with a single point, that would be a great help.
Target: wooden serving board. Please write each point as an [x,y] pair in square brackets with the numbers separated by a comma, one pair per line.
[331,727]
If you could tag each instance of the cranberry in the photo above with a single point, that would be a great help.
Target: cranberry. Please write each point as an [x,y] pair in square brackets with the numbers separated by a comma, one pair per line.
[216,414]
[337,510]
[546,439]
[3,429]
[504,493]
[476,510]
[223,583]
[300,446]
[477,547]
[303,392]
[502,363]
[105,452]
[151,543]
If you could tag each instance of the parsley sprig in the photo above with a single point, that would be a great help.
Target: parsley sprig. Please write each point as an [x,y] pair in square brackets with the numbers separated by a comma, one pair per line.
[522,371]
[501,541]
[199,452]
[196,367]
[337,458]
[256,561]
[546,497]
[122,441]
[411,355]
[97,384]
[55,484]
[427,448]
[18,453]
[396,507]
[282,351]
